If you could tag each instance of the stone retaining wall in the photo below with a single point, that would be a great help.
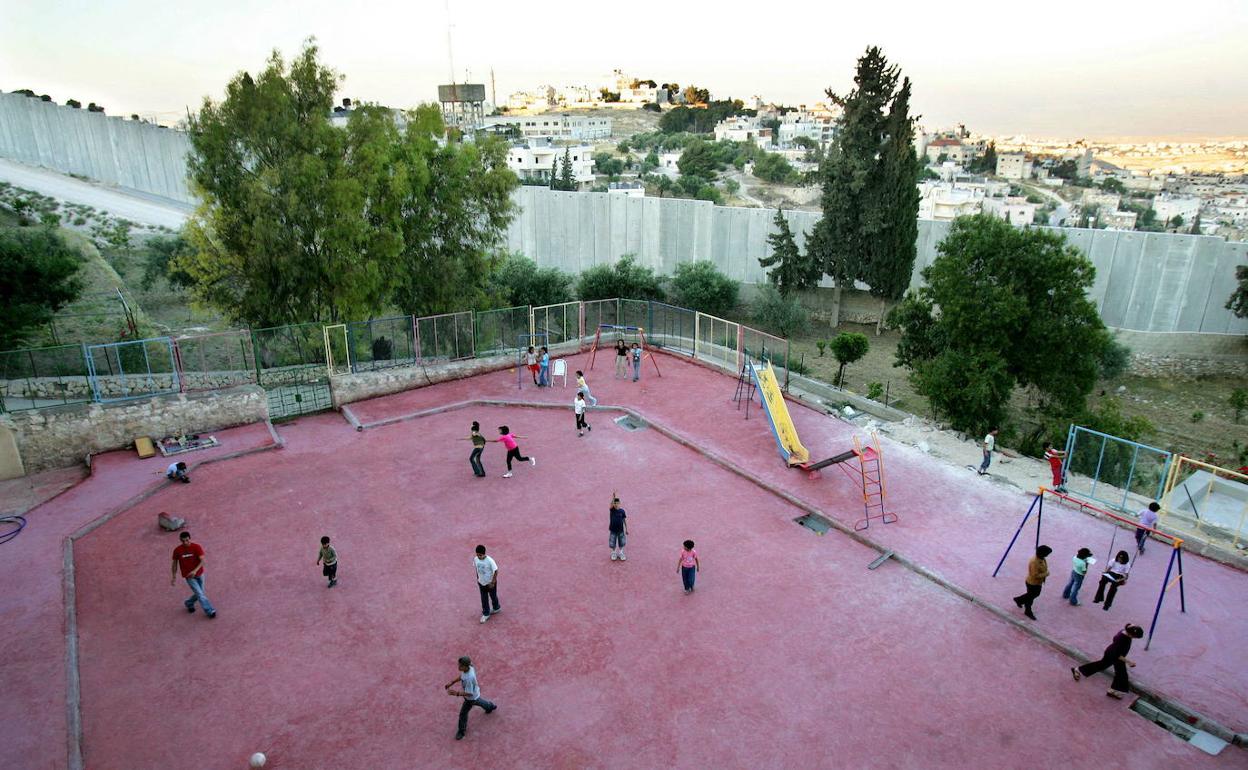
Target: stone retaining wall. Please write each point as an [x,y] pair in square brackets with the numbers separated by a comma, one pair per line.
[349,388]
[63,435]
[1188,367]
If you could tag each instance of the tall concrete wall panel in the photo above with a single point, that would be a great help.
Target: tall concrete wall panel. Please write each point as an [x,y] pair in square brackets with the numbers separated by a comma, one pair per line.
[1148,282]
[112,151]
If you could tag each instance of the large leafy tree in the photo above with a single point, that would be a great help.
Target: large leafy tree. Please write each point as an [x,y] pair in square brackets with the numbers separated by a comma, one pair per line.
[864,204]
[38,276]
[519,281]
[1002,307]
[305,221]
[1238,303]
[701,286]
[790,268]
[625,279]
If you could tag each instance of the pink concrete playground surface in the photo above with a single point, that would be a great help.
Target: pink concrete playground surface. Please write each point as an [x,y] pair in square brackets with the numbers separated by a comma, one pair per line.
[790,652]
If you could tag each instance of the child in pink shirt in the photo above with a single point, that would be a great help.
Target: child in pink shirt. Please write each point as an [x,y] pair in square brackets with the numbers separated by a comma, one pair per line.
[688,565]
[513,449]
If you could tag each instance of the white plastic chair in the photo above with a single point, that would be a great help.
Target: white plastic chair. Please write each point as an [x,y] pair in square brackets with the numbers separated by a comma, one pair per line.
[560,370]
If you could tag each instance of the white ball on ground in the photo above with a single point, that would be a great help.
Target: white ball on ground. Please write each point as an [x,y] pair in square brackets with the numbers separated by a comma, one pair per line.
[258,760]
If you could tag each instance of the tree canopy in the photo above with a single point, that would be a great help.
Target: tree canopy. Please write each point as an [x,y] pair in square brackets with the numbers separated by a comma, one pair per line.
[305,221]
[1002,307]
[519,281]
[1238,303]
[38,276]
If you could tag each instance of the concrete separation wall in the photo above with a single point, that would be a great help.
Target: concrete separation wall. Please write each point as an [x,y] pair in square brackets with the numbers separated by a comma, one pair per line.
[126,153]
[59,436]
[1149,282]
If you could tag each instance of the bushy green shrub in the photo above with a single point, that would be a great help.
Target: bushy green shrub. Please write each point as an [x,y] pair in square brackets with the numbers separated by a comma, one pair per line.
[780,315]
[625,279]
[701,286]
[519,281]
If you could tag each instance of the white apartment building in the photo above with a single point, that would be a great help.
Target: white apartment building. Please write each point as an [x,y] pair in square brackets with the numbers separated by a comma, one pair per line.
[1013,165]
[1117,220]
[627,189]
[535,160]
[819,129]
[954,150]
[742,128]
[947,201]
[1015,210]
[551,126]
[1167,207]
[667,163]
[1101,200]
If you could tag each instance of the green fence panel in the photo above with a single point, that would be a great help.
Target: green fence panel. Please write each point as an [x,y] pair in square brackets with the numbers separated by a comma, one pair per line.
[561,323]
[497,332]
[120,371]
[445,337]
[382,343]
[761,346]
[215,361]
[671,327]
[599,312]
[40,377]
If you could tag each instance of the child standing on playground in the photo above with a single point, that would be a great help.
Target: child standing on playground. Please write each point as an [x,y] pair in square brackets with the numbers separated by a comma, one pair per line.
[621,359]
[584,388]
[543,377]
[636,362]
[1037,571]
[578,406]
[990,446]
[513,448]
[1054,458]
[530,360]
[1081,561]
[478,447]
[617,529]
[1113,577]
[329,556]
[1148,520]
[688,565]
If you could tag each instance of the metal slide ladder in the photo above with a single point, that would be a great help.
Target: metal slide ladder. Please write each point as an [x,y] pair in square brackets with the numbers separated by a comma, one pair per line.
[871,470]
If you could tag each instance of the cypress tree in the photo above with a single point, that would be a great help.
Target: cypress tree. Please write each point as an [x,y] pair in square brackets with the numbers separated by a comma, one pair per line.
[566,180]
[793,270]
[889,266]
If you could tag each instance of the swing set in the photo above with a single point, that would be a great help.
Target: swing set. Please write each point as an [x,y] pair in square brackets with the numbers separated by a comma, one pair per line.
[1175,543]
[635,333]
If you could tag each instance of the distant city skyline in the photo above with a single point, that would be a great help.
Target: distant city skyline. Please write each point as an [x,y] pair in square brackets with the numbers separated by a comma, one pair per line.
[1077,70]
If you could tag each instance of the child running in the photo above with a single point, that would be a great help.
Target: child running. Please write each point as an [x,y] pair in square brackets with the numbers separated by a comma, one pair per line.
[584,388]
[478,446]
[578,406]
[513,449]
[530,360]
[329,557]
[688,565]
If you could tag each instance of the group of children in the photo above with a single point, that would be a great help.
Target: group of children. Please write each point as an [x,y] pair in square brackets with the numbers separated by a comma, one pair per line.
[1112,578]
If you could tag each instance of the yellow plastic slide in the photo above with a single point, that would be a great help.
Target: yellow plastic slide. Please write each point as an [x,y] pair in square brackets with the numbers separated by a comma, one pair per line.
[791,449]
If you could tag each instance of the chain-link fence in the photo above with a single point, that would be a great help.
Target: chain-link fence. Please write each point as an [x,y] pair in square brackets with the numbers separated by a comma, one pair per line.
[716,342]
[215,361]
[635,312]
[671,328]
[382,343]
[136,369]
[447,336]
[761,346]
[291,365]
[561,323]
[496,332]
[599,312]
[40,377]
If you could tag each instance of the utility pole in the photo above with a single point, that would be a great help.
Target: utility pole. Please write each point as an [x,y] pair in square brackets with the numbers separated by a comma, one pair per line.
[450,55]
[493,95]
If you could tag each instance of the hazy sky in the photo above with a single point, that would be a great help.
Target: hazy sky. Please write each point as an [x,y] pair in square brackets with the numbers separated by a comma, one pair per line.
[1091,68]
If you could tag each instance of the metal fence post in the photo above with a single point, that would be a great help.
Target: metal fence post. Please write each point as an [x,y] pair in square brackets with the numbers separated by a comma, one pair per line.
[697,332]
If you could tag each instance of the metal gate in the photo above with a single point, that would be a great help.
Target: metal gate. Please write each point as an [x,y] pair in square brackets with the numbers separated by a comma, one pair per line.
[291,366]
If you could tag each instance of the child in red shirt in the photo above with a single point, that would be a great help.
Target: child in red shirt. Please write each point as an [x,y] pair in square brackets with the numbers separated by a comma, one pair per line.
[1055,457]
